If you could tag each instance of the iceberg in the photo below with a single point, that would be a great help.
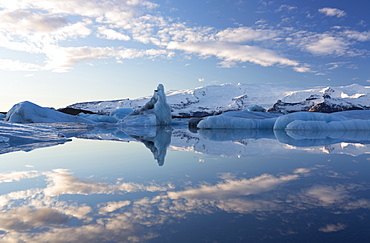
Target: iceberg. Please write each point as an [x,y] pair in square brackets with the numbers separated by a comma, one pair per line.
[121,113]
[156,112]
[28,112]
[251,120]
[99,118]
[311,121]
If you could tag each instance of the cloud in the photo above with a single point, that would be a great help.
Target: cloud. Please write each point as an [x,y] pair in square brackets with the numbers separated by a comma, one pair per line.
[61,59]
[21,21]
[230,52]
[323,44]
[332,12]
[285,7]
[50,27]
[10,65]
[302,69]
[359,36]
[112,34]
[333,228]
[243,34]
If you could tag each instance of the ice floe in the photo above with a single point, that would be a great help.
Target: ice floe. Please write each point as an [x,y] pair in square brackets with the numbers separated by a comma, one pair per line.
[251,120]
[28,112]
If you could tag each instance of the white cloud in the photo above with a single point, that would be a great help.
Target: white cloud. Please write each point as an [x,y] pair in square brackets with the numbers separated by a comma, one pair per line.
[325,44]
[359,36]
[285,7]
[234,53]
[112,34]
[243,34]
[21,21]
[48,27]
[332,12]
[62,59]
[302,69]
[10,65]
[333,228]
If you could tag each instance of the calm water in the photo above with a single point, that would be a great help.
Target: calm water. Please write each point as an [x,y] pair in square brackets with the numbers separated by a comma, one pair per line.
[181,186]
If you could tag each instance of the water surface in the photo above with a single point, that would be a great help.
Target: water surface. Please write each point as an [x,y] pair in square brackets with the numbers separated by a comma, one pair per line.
[181,186]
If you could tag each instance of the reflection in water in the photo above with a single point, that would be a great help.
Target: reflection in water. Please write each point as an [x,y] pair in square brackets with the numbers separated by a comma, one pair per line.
[157,141]
[297,202]
[272,198]
[320,138]
[235,134]
[219,142]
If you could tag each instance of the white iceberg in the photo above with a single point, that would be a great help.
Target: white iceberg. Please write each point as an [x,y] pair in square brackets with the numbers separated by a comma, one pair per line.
[99,118]
[156,112]
[311,121]
[28,112]
[121,113]
[251,120]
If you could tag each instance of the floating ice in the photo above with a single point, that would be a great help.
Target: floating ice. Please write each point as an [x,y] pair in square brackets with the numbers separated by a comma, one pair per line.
[121,113]
[251,120]
[283,121]
[156,112]
[99,118]
[28,112]
[311,121]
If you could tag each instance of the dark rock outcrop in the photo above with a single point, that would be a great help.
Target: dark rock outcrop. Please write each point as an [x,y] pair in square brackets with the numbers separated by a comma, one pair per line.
[326,107]
[74,112]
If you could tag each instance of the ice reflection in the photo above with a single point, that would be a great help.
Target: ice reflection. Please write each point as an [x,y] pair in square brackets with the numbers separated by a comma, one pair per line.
[216,142]
[157,141]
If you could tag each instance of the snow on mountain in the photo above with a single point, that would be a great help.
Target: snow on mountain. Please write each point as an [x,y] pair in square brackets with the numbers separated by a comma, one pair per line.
[199,101]
[212,99]
[327,100]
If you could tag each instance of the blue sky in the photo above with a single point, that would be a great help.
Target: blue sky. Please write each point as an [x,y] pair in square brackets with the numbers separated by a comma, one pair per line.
[58,52]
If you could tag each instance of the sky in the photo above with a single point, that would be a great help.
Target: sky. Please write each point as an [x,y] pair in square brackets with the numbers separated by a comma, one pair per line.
[58,52]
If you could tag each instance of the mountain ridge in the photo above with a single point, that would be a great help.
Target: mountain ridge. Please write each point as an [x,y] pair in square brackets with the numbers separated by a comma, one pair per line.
[215,99]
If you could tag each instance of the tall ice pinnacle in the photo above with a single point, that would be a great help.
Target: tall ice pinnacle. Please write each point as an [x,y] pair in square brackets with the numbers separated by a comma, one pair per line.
[156,112]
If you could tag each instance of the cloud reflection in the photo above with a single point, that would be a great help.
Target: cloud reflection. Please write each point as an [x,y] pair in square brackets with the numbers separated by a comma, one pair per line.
[46,214]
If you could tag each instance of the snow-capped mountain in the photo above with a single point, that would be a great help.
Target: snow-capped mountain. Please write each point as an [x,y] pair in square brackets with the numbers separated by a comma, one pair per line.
[213,99]
[327,100]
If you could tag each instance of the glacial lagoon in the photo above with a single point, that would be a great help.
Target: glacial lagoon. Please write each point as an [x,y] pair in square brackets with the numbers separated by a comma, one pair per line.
[176,185]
